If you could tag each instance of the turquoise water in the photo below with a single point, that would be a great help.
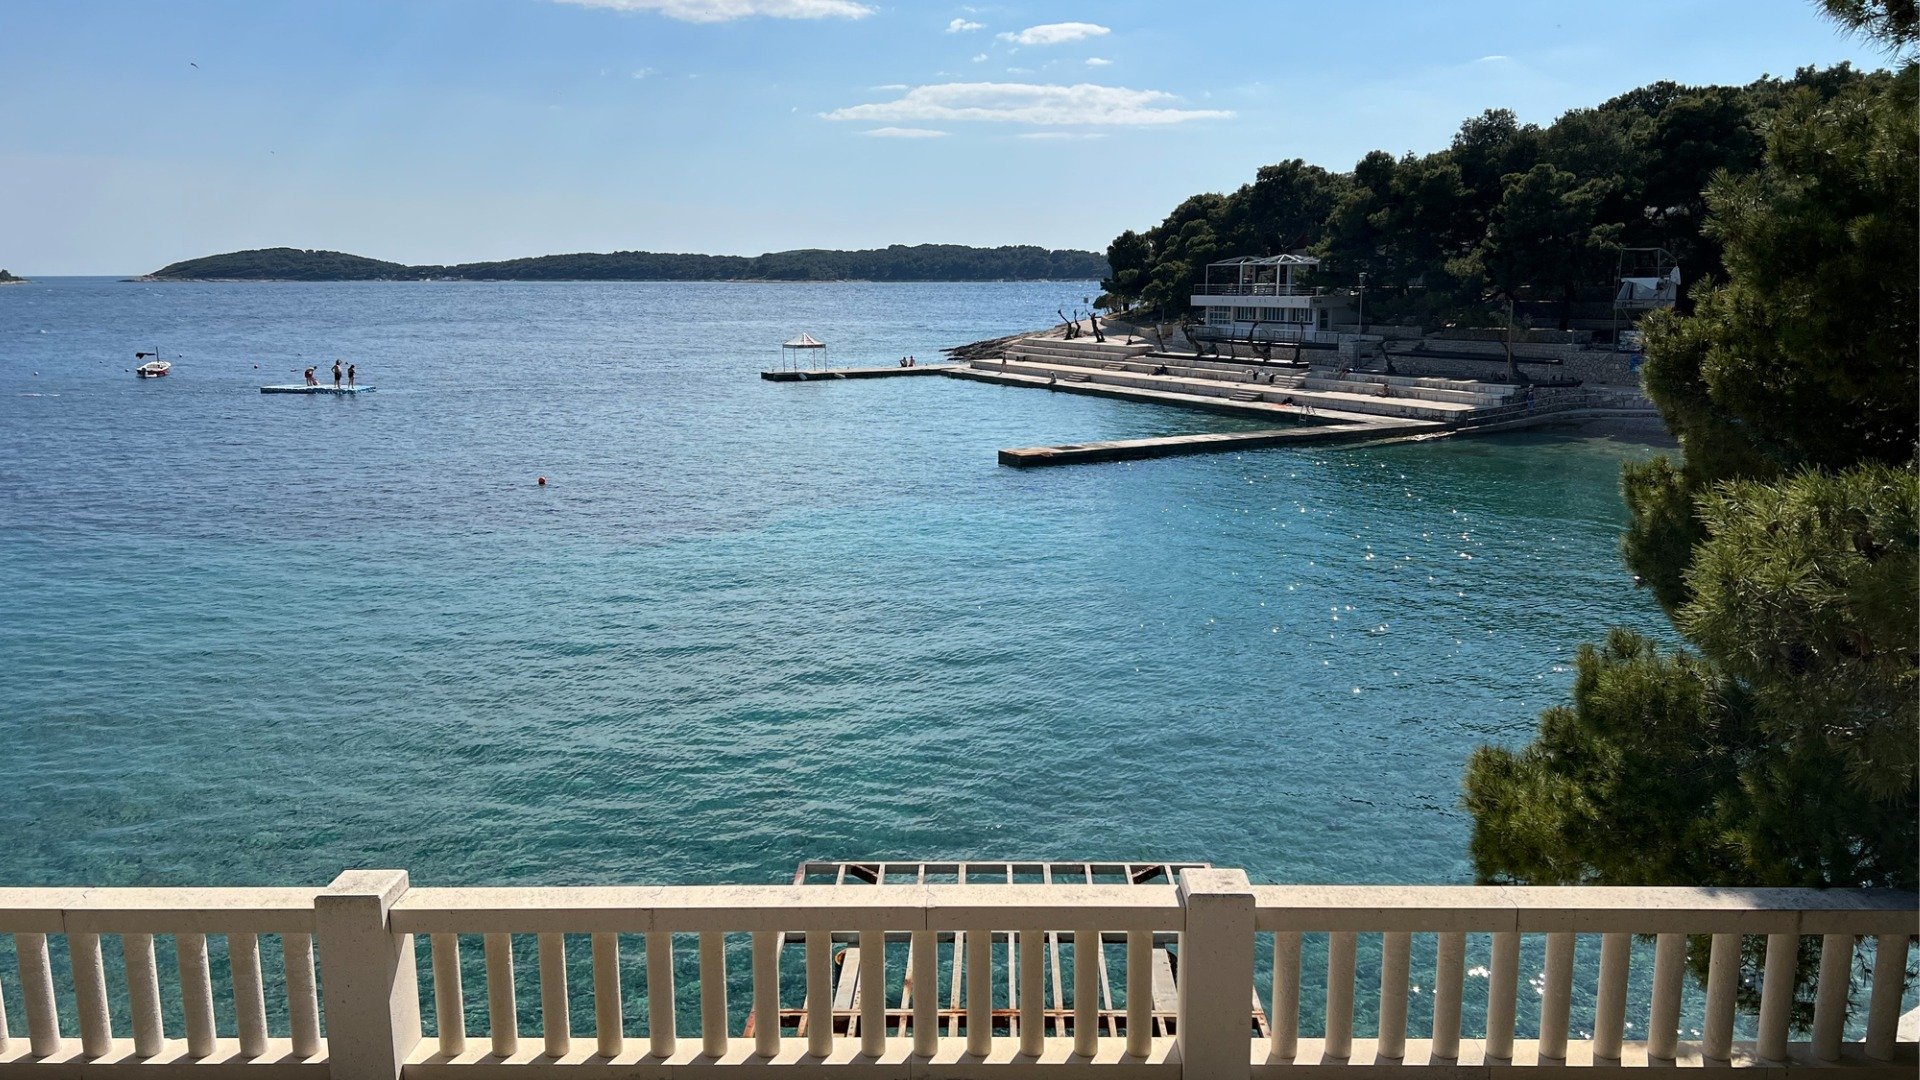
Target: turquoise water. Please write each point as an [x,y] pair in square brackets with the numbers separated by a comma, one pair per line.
[259,639]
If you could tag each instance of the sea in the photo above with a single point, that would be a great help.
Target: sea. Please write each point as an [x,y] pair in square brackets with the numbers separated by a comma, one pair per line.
[251,639]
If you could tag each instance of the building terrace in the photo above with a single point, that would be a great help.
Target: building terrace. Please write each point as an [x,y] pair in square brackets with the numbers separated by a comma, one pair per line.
[377,957]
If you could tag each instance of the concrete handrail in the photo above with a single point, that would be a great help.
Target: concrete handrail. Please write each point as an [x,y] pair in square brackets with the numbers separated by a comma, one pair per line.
[1203,934]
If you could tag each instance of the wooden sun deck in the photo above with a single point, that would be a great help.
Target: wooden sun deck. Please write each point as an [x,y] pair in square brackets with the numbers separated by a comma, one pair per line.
[1057,1011]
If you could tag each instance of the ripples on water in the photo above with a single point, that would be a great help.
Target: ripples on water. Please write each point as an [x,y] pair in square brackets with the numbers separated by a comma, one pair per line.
[252,639]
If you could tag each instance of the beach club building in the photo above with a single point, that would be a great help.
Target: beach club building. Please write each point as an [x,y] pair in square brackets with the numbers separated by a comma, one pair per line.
[1262,298]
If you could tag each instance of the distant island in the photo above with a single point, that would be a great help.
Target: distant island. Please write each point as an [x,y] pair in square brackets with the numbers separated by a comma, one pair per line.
[9,279]
[923,262]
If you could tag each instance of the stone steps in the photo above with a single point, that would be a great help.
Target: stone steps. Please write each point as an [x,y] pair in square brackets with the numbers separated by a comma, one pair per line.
[1402,387]
[1152,365]
[1238,393]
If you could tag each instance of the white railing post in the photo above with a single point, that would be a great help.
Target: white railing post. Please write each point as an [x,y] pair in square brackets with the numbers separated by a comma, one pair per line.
[1216,974]
[368,978]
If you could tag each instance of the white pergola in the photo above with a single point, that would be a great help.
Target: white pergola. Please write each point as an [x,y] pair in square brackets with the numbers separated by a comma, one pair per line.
[793,353]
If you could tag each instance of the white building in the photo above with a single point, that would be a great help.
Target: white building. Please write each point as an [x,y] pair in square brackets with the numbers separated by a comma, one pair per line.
[1261,298]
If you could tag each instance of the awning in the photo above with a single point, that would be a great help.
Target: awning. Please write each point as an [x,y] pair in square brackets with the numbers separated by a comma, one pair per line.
[804,341]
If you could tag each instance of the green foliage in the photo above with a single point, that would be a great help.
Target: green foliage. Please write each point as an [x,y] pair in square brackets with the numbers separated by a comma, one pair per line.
[1781,748]
[1438,234]
[925,262]
[1894,23]
[1628,784]
[1544,232]
[1803,591]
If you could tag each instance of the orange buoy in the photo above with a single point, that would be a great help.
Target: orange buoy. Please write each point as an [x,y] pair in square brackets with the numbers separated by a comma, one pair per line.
[543,481]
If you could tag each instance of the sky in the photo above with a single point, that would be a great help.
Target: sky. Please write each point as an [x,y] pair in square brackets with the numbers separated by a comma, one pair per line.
[134,134]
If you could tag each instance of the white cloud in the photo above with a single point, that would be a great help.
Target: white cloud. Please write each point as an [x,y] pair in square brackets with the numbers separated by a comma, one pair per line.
[713,11]
[1083,104]
[979,58]
[1494,59]
[905,133]
[1056,33]
[887,87]
[1098,61]
[644,73]
[1054,136]
[962,26]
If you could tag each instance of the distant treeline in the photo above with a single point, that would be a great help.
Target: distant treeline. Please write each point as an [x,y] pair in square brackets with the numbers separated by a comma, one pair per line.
[923,262]
[1509,210]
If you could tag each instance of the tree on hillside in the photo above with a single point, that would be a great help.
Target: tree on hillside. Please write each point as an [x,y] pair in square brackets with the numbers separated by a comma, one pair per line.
[1129,261]
[1545,232]
[1780,747]
[1282,210]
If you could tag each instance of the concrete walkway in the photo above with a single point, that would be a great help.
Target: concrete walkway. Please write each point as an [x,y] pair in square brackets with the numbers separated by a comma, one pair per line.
[1021,376]
[1178,445]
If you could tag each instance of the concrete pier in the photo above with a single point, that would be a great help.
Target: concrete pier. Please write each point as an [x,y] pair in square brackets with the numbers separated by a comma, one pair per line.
[1178,445]
[856,373]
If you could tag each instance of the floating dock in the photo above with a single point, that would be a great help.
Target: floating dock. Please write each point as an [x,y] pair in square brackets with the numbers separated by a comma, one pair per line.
[1178,445]
[856,373]
[298,389]
[1054,1011]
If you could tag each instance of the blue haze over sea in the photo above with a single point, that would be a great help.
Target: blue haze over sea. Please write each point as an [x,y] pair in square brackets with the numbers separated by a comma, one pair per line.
[254,639]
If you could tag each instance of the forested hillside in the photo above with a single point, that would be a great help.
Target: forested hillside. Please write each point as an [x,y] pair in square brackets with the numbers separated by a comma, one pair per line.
[1508,209]
[925,262]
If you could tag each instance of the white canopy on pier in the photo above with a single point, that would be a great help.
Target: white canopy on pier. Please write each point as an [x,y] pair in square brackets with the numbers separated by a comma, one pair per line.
[791,355]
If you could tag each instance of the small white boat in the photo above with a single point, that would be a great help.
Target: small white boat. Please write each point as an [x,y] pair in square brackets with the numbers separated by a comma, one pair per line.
[154,367]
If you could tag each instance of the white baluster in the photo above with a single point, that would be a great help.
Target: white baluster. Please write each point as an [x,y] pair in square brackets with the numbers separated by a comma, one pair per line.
[143,994]
[1033,992]
[1723,977]
[1340,954]
[36,986]
[556,1012]
[1286,995]
[1610,1008]
[1556,999]
[1139,993]
[196,994]
[609,1023]
[1830,995]
[979,960]
[819,993]
[713,993]
[926,993]
[249,994]
[1395,957]
[1663,1017]
[660,1015]
[1883,1008]
[1776,995]
[90,995]
[503,1020]
[1086,992]
[873,992]
[303,998]
[1503,986]
[766,993]
[449,998]
[1449,971]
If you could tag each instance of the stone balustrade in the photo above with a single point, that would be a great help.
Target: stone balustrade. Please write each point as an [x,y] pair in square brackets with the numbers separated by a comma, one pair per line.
[845,980]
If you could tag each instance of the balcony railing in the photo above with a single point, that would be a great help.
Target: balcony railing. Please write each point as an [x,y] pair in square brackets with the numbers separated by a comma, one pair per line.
[1262,289]
[823,980]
